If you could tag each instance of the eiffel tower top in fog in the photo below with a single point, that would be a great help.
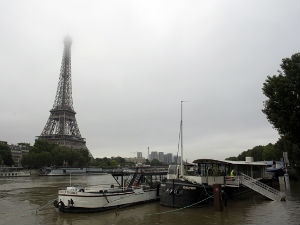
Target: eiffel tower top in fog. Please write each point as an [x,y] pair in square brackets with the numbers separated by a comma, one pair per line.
[63,99]
[62,127]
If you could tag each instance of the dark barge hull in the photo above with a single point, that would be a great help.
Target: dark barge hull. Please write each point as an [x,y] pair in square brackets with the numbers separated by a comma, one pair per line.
[177,193]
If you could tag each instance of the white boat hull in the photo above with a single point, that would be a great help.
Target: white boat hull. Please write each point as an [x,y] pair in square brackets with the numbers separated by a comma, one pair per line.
[75,201]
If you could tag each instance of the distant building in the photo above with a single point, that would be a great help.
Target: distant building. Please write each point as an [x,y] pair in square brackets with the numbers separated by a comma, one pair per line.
[139,155]
[161,156]
[17,151]
[135,160]
[3,142]
[177,160]
[153,155]
[168,158]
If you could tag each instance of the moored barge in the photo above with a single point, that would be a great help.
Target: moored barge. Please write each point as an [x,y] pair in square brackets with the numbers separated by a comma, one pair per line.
[196,185]
[94,199]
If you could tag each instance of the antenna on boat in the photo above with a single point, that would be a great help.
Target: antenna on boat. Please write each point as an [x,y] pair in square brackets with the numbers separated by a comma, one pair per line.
[181,140]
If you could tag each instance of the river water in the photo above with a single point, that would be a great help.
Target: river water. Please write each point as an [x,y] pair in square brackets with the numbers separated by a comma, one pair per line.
[21,196]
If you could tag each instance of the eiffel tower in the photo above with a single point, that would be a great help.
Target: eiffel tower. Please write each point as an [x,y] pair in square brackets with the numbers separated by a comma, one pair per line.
[61,126]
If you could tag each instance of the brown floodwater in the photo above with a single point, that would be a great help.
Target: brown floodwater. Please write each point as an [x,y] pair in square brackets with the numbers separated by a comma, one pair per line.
[21,196]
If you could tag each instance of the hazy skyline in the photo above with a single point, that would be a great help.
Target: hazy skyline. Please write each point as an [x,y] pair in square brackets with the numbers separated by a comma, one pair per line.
[134,61]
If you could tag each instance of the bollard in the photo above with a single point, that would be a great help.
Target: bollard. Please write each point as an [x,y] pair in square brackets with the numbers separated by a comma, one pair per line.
[218,204]
[287,182]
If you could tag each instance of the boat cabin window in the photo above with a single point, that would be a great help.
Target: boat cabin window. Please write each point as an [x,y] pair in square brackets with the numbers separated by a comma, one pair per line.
[212,169]
[191,170]
[251,170]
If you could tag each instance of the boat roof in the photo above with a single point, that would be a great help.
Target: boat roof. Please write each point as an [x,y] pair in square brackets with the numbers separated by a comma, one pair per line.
[228,162]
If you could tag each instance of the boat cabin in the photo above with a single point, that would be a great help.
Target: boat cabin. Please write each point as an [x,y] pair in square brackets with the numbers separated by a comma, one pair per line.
[226,172]
[211,171]
[174,170]
[212,167]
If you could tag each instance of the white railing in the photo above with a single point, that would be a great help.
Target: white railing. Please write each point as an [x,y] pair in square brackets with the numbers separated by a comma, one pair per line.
[261,188]
[232,181]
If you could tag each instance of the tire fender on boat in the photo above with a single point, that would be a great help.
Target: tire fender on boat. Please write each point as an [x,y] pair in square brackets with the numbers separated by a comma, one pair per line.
[55,203]
[61,205]
[177,192]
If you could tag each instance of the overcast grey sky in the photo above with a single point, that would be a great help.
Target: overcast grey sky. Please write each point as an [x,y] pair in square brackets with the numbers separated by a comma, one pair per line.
[132,63]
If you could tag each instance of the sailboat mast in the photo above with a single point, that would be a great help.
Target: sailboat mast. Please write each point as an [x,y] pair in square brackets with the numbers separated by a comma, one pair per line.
[181,142]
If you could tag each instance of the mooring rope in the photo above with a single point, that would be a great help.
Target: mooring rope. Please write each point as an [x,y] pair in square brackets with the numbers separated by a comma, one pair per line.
[45,205]
[176,210]
[35,211]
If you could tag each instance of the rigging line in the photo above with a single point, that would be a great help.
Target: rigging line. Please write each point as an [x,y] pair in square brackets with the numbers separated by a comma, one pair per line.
[205,189]
[45,205]
[179,137]
[123,197]
[35,211]
[185,207]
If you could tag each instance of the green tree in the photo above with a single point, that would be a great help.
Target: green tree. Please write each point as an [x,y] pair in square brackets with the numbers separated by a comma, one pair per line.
[156,162]
[113,163]
[232,158]
[23,143]
[44,153]
[43,146]
[5,154]
[120,161]
[282,107]
[284,145]
[27,160]
[271,152]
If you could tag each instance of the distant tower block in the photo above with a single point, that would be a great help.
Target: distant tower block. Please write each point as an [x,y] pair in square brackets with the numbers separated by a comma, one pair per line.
[139,155]
[61,126]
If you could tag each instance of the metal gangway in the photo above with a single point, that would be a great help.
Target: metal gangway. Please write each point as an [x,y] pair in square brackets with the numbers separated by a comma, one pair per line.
[135,180]
[261,188]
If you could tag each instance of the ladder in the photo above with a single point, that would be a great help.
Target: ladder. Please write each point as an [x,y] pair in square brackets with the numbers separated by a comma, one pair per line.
[261,188]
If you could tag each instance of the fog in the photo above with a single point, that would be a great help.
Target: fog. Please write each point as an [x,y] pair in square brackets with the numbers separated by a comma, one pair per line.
[134,61]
